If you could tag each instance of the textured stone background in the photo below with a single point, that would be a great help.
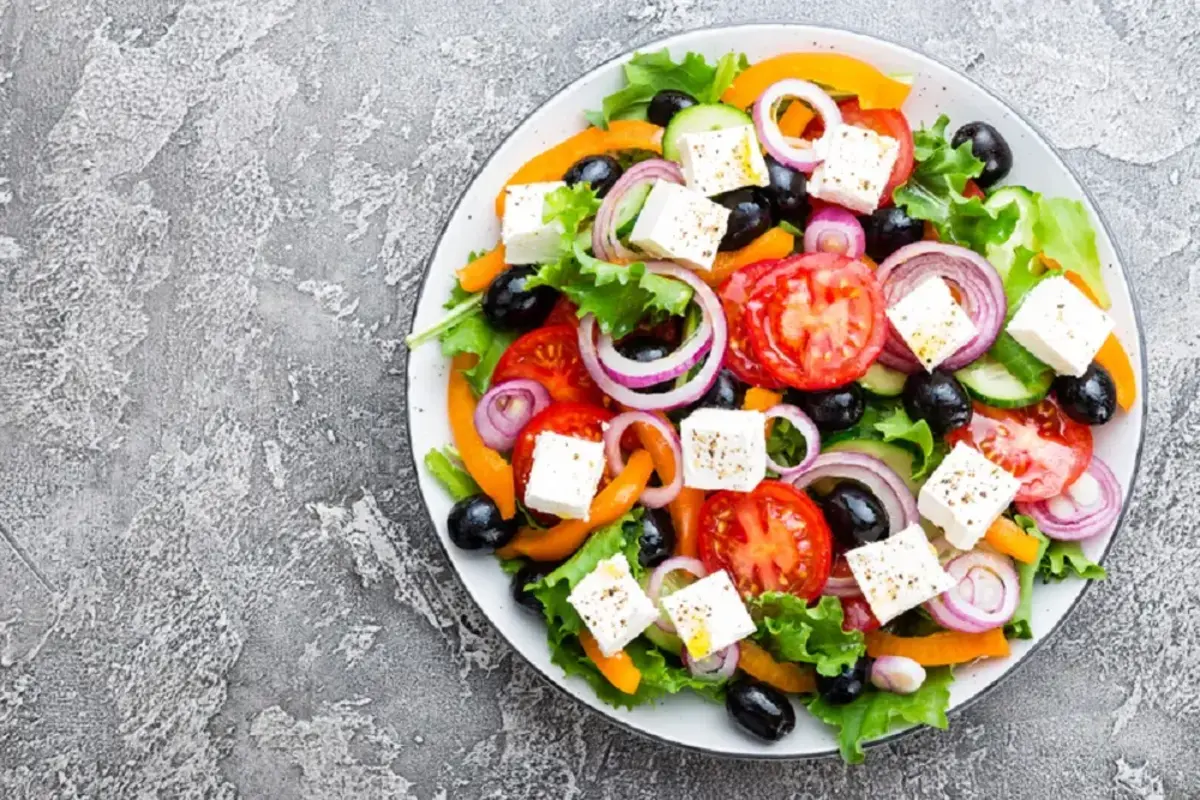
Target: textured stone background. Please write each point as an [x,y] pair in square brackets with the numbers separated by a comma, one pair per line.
[217,581]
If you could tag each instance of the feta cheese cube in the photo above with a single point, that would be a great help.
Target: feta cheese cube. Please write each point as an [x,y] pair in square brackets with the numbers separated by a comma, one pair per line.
[1060,326]
[721,161]
[932,325]
[612,605]
[527,238]
[724,449]
[856,165]
[965,494]
[898,573]
[708,615]
[565,474]
[681,225]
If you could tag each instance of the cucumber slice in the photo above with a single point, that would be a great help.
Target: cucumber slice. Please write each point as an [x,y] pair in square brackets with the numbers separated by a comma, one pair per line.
[631,206]
[989,382]
[698,119]
[657,636]
[895,456]
[883,381]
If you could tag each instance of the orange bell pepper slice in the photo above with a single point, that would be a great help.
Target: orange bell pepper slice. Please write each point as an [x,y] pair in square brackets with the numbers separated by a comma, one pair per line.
[795,120]
[618,669]
[831,70]
[1011,539]
[569,535]
[1112,356]
[939,649]
[775,243]
[685,515]
[759,399]
[479,274]
[783,675]
[624,134]
[489,469]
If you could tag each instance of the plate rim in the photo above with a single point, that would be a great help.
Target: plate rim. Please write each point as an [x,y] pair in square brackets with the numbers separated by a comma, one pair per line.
[1135,305]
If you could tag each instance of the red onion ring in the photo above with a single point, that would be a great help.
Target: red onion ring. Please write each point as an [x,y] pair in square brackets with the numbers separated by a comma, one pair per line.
[640,374]
[897,674]
[683,395]
[972,606]
[971,274]
[605,244]
[878,478]
[505,409]
[835,230]
[692,566]
[1085,521]
[652,496]
[808,429]
[838,586]
[803,157]
[719,666]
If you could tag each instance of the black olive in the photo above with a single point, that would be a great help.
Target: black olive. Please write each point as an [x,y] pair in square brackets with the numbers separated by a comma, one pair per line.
[644,347]
[667,104]
[761,709]
[889,229]
[726,392]
[845,687]
[787,193]
[530,573]
[749,217]
[989,147]
[855,516]
[1091,398]
[833,409]
[657,542]
[509,306]
[599,171]
[938,398]
[475,523]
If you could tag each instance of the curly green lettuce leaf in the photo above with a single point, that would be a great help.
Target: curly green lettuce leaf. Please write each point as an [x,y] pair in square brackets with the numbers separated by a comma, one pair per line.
[874,713]
[793,631]
[1020,626]
[444,465]
[1055,561]
[473,334]
[1066,559]
[660,677]
[1066,235]
[896,426]
[646,74]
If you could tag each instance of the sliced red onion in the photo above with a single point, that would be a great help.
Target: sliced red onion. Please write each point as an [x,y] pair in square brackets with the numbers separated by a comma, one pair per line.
[1071,517]
[605,244]
[877,477]
[683,395]
[652,496]
[971,274]
[897,674]
[986,596]
[835,230]
[801,155]
[840,586]
[640,374]
[692,566]
[719,666]
[505,408]
[808,429]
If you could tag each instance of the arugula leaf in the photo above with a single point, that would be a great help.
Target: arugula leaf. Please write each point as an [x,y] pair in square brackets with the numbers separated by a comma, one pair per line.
[1065,559]
[1067,236]
[646,74]
[896,426]
[792,631]
[874,713]
[1020,626]
[444,465]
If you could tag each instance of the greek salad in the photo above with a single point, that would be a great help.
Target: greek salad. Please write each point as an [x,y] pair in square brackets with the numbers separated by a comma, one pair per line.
[765,396]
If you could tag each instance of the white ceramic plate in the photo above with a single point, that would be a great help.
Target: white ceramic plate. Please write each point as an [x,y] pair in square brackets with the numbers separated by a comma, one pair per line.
[687,720]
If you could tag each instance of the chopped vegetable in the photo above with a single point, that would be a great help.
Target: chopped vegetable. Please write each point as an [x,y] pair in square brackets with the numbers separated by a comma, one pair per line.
[783,675]
[486,466]
[1011,539]
[939,649]
[1021,624]
[833,70]
[1112,356]
[793,631]
[758,399]
[775,243]
[441,464]
[479,273]
[617,669]
[685,514]
[647,74]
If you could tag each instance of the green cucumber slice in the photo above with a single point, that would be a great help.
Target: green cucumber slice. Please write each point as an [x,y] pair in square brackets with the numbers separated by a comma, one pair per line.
[988,381]
[630,207]
[699,119]
[883,381]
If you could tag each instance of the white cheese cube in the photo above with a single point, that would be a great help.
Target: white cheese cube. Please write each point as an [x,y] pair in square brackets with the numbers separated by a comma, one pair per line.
[898,573]
[932,325]
[565,474]
[681,225]
[856,164]
[720,161]
[965,494]
[612,605]
[708,615]
[724,449]
[527,238]
[1060,326]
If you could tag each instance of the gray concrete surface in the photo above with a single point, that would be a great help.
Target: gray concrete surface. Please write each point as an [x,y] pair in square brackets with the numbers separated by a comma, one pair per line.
[216,579]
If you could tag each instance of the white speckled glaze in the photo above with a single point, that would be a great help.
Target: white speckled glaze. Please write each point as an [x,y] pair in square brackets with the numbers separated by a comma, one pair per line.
[687,720]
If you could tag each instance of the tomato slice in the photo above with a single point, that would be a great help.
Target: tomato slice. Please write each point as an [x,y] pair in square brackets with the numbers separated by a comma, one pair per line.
[580,420]
[564,313]
[972,190]
[816,321]
[857,615]
[772,539]
[738,356]
[885,122]
[1039,444]
[550,356]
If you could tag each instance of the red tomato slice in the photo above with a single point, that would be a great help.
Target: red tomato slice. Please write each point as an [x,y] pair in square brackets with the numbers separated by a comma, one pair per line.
[570,419]
[857,615]
[816,321]
[772,539]
[564,313]
[550,356]
[1042,446]
[738,356]
[972,190]
[885,122]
